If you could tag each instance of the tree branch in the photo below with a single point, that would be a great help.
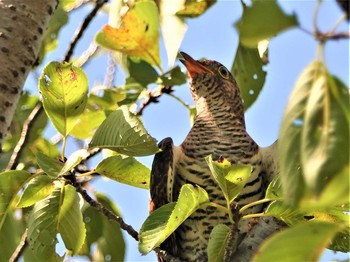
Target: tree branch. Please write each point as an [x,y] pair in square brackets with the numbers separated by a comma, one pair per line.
[22,25]
[20,248]
[23,140]
[80,31]
[153,96]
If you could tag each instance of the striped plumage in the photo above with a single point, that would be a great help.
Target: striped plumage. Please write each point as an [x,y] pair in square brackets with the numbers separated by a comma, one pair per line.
[218,130]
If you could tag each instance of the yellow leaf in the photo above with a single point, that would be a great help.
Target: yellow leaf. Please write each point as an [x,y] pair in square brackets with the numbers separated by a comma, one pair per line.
[138,35]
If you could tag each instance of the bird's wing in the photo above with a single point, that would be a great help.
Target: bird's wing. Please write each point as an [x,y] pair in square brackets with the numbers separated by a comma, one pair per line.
[162,168]
[162,174]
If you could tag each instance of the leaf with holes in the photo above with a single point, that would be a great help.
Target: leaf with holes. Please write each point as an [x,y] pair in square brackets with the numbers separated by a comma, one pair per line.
[125,170]
[164,220]
[248,71]
[64,89]
[138,35]
[255,25]
[124,133]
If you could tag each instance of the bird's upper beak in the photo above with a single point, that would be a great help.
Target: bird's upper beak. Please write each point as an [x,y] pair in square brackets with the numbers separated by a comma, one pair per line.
[193,66]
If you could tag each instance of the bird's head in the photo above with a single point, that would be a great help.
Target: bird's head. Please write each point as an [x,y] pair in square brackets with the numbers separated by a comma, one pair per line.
[212,84]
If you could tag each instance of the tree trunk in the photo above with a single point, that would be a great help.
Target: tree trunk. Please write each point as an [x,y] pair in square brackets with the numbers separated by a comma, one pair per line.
[22,24]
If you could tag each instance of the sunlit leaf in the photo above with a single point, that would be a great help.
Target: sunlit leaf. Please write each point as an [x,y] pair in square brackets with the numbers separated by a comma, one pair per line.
[64,90]
[70,220]
[73,160]
[126,170]
[325,136]
[217,243]
[247,70]
[195,8]
[124,133]
[255,25]
[289,145]
[231,178]
[138,35]
[11,183]
[38,188]
[42,227]
[88,122]
[164,220]
[49,165]
[304,242]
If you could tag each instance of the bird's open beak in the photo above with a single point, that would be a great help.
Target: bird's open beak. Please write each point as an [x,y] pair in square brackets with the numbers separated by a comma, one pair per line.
[193,66]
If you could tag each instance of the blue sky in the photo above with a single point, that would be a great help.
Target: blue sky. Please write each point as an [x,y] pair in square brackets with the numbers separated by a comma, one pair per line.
[213,36]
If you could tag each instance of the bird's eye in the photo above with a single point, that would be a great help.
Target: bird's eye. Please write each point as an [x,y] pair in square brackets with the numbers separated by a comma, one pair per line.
[224,73]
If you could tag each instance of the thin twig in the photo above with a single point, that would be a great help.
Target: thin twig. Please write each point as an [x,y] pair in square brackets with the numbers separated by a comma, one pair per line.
[28,123]
[153,97]
[109,214]
[20,248]
[85,24]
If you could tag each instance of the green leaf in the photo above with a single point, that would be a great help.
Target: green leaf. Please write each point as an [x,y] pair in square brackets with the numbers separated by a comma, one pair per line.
[11,183]
[73,160]
[142,72]
[231,178]
[248,71]
[50,37]
[274,190]
[255,25]
[138,35]
[126,170]
[49,165]
[88,122]
[335,193]
[314,136]
[195,8]
[70,220]
[38,188]
[217,243]
[173,77]
[304,242]
[10,234]
[42,226]
[64,90]
[111,244]
[103,236]
[289,145]
[164,220]
[325,136]
[124,133]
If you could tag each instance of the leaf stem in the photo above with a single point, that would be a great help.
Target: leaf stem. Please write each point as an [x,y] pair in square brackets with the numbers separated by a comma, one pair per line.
[339,21]
[179,100]
[261,201]
[254,215]
[63,150]
[87,173]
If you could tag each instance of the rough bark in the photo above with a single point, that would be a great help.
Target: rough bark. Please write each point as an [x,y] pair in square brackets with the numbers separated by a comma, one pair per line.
[22,24]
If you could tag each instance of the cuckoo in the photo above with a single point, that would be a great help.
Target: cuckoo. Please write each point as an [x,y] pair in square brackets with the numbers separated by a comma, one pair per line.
[218,130]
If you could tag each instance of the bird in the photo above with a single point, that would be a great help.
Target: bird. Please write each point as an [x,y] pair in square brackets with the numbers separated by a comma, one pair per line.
[218,130]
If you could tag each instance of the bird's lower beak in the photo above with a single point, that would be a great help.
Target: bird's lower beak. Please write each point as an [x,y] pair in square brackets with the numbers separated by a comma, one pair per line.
[193,66]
